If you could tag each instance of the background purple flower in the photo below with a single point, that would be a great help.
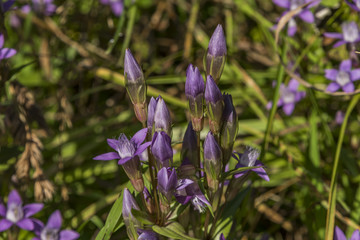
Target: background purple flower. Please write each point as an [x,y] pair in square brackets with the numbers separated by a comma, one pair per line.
[5,52]
[350,34]
[192,193]
[51,231]
[45,7]
[339,234]
[306,15]
[117,6]
[16,213]
[289,96]
[355,4]
[5,6]
[342,78]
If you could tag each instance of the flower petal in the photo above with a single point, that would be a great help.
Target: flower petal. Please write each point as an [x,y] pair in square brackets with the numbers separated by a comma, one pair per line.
[1,40]
[2,210]
[293,85]
[142,148]
[355,74]
[349,87]
[183,183]
[339,43]
[55,220]
[139,137]
[307,16]
[7,5]
[5,225]
[288,108]
[38,226]
[31,209]
[26,224]
[113,143]
[339,234]
[183,199]
[345,65]
[282,3]
[107,156]
[292,29]
[331,74]
[14,197]
[333,35]
[355,235]
[260,171]
[333,87]
[124,160]
[7,53]
[69,235]
[117,8]
[299,96]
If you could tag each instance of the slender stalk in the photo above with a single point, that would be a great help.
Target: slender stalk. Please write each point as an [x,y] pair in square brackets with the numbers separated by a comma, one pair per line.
[330,217]
[280,78]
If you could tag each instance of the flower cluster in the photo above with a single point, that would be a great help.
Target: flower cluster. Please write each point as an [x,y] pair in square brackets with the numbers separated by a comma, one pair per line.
[200,178]
[15,213]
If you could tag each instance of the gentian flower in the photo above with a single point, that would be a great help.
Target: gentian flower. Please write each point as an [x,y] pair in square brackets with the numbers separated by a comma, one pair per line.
[128,151]
[147,235]
[339,235]
[45,7]
[15,21]
[5,52]
[212,161]
[161,149]
[51,231]
[249,159]
[151,113]
[117,6]
[17,214]
[135,85]
[289,96]
[194,91]
[130,221]
[222,237]
[342,78]
[216,54]
[162,119]
[355,4]
[189,151]
[4,7]
[192,193]
[306,15]
[215,104]
[350,34]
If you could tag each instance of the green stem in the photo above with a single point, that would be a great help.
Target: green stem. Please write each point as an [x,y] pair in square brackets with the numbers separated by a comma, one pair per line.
[280,78]
[129,30]
[330,217]
[116,37]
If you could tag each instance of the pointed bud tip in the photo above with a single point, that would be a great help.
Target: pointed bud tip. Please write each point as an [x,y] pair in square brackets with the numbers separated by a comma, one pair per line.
[212,91]
[217,44]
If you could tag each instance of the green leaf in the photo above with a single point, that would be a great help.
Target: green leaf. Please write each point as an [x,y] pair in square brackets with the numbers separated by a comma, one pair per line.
[141,216]
[173,230]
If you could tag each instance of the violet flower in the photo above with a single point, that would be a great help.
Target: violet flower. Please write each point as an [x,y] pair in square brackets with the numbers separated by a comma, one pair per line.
[222,237]
[130,221]
[151,113]
[355,5]
[128,151]
[342,78]
[194,91]
[161,149]
[216,54]
[5,52]
[147,235]
[51,231]
[189,151]
[215,104]
[339,234]
[17,214]
[229,128]
[249,159]
[212,161]
[339,117]
[162,119]
[289,96]
[306,15]
[117,6]
[4,7]
[192,193]
[350,34]
[45,7]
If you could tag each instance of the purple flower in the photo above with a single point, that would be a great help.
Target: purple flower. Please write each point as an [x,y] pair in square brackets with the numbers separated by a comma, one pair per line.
[288,97]
[128,151]
[350,34]
[15,21]
[130,221]
[45,7]
[162,119]
[212,161]
[189,150]
[117,6]
[161,149]
[355,4]
[222,237]
[194,91]
[5,52]
[342,78]
[4,7]
[151,113]
[216,54]
[339,235]
[229,128]
[249,159]
[214,103]
[192,193]
[16,213]
[306,15]
[147,235]
[339,117]
[51,231]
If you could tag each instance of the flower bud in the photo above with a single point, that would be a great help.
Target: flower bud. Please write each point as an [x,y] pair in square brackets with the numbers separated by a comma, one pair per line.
[135,85]
[190,151]
[214,60]
[148,200]
[167,181]
[151,113]
[161,149]
[130,221]
[162,119]
[194,90]
[215,105]
[212,161]
[229,128]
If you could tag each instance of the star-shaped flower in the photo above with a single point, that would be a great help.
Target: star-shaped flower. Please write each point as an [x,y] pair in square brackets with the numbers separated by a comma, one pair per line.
[342,78]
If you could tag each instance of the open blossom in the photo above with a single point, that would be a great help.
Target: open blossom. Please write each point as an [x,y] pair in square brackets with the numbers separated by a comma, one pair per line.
[193,194]
[289,96]
[117,6]
[17,214]
[306,15]
[342,78]
[350,34]
[339,234]
[5,52]
[355,4]
[250,159]
[51,231]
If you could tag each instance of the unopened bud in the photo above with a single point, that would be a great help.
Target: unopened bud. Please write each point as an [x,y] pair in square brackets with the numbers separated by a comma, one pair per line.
[162,119]
[215,105]
[190,150]
[212,161]
[130,221]
[161,149]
